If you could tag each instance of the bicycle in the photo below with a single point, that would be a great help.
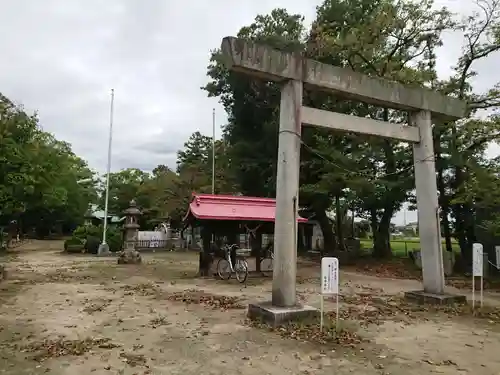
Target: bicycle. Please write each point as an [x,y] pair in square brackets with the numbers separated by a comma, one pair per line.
[225,266]
[266,264]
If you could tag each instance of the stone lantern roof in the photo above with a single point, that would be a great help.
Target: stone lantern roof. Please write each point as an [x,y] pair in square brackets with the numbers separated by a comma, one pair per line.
[132,210]
[131,216]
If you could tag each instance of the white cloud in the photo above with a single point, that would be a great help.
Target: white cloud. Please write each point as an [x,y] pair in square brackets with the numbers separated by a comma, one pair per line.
[61,58]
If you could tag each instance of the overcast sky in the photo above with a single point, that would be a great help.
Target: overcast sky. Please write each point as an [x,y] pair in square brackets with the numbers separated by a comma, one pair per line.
[62,57]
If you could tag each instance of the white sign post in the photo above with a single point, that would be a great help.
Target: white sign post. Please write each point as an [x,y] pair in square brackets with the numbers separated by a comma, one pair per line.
[330,284]
[477,270]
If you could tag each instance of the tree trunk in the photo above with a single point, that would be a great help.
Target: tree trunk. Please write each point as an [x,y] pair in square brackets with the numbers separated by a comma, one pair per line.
[353,227]
[381,235]
[470,227]
[460,234]
[445,210]
[301,240]
[380,245]
[465,231]
[308,233]
[463,213]
[327,230]
[463,221]
[443,198]
[339,227]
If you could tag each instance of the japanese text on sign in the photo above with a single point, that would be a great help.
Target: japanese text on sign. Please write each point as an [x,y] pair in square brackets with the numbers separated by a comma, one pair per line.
[329,275]
[477,259]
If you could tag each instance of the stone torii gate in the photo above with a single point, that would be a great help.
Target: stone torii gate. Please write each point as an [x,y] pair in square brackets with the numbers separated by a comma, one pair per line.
[294,72]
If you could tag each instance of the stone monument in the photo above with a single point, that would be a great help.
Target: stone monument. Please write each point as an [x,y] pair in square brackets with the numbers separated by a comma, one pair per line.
[129,253]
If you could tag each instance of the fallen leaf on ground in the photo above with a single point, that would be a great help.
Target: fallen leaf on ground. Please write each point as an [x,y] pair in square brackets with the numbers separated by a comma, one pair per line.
[133,359]
[158,321]
[310,331]
[61,347]
[199,297]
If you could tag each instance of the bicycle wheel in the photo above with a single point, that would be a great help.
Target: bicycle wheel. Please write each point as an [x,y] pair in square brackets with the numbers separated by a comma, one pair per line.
[266,267]
[241,271]
[224,269]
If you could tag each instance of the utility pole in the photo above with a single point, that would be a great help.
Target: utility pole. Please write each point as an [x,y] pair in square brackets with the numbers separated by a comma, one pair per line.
[213,151]
[104,248]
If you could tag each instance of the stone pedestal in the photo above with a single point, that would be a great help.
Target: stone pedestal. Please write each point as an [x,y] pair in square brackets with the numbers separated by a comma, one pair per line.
[103,250]
[129,257]
[276,316]
[422,297]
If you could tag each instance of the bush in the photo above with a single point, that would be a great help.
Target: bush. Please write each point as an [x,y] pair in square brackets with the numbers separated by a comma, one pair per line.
[114,240]
[84,231]
[74,245]
[91,235]
[92,244]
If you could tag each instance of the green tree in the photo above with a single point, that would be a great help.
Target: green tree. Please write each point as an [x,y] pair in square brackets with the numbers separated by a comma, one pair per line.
[124,186]
[392,39]
[460,145]
[252,106]
[388,39]
[39,175]
[17,131]
[194,164]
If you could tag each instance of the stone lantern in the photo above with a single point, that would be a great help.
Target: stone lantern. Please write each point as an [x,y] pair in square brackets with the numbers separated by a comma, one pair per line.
[129,253]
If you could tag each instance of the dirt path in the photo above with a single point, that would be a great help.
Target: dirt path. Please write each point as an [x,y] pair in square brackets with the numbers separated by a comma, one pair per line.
[62,314]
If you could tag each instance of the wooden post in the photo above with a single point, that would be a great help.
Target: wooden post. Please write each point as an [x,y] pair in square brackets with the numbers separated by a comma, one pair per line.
[204,263]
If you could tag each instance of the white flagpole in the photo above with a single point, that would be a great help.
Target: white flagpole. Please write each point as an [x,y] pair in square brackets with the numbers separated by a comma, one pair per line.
[213,151]
[104,247]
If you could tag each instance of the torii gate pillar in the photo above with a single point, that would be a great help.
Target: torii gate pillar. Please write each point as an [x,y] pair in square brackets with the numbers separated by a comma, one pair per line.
[287,200]
[427,201]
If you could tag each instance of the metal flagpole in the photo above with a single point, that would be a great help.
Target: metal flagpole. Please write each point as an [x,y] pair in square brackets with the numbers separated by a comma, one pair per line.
[213,151]
[104,247]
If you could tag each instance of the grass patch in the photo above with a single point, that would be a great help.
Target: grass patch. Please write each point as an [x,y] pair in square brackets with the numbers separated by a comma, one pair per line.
[403,247]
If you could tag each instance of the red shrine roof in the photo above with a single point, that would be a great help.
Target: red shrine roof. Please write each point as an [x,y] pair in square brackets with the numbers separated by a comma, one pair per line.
[231,207]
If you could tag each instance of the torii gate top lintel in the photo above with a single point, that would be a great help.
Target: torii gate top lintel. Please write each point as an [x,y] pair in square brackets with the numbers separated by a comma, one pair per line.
[274,65]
